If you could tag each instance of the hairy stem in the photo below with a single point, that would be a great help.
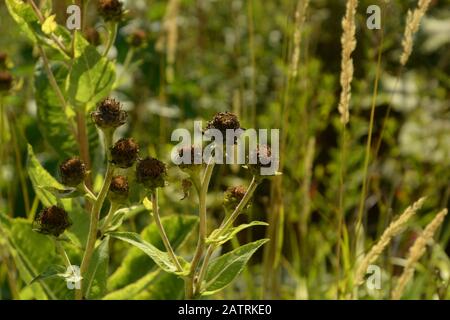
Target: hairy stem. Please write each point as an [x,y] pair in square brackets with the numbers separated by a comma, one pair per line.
[95,212]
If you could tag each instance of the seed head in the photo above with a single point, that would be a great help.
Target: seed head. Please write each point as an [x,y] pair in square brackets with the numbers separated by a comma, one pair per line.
[110,10]
[92,36]
[151,173]
[118,189]
[6,81]
[124,153]
[233,197]
[72,172]
[137,38]
[193,152]
[109,114]
[53,220]
[223,121]
[263,157]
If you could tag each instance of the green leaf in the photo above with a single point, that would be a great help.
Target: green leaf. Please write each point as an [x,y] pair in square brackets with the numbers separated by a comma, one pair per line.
[30,25]
[95,278]
[91,77]
[224,269]
[137,264]
[230,233]
[156,285]
[54,122]
[41,180]
[159,257]
[32,252]
[52,271]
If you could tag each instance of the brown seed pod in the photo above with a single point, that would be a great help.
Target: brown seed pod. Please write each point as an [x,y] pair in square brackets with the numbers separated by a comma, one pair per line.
[6,81]
[124,153]
[119,189]
[137,38]
[110,10]
[151,173]
[224,121]
[109,114]
[72,172]
[233,196]
[53,220]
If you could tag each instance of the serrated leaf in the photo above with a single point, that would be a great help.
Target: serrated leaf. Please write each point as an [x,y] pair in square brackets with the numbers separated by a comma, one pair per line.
[159,257]
[137,264]
[224,269]
[230,233]
[91,77]
[94,283]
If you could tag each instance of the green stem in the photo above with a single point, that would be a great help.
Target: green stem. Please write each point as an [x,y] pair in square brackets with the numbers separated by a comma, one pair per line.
[112,209]
[223,227]
[61,250]
[162,232]
[95,212]
[111,38]
[202,190]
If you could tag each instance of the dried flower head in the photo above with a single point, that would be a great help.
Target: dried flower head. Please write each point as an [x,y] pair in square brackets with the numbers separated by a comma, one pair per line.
[6,81]
[72,172]
[233,196]
[119,189]
[151,173]
[190,154]
[137,38]
[92,36]
[223,121]
[110,10]
[124,153]
[109,114]
[261,157]
[53,220]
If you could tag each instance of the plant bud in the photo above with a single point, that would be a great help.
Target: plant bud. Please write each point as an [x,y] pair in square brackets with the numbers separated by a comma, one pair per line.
[6,81]
[137,38]
[118,189]
[53,220]
[109,114]
[233,196]
[92,36]
[72,172]
[110,10]
[124,153]
[263,156]
[190,153]
[151,173]
[224,121]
